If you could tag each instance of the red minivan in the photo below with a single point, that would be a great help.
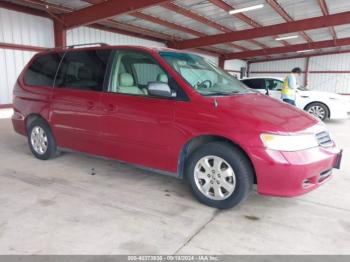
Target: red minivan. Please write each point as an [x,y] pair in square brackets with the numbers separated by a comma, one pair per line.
[173,112]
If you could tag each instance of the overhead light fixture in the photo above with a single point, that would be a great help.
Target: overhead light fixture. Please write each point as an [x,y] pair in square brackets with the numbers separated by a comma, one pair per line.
[305,51]
[286,37]
[245,9]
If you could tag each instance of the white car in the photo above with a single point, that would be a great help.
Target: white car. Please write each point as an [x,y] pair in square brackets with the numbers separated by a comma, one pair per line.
[321,104]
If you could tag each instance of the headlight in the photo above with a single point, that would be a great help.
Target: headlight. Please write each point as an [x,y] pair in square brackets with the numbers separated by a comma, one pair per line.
[289,142]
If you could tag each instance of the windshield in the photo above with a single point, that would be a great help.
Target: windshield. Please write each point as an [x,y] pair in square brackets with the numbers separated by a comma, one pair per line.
[203,76]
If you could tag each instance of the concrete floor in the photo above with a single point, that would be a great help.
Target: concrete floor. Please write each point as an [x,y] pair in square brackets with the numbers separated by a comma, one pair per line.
[76,204]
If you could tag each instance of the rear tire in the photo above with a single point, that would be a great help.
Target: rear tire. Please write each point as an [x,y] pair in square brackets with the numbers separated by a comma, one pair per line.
[220,175]
[318,110]
[40,139]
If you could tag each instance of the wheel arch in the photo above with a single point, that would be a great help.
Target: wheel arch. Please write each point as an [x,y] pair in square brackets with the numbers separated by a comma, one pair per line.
[319,102]
[198,141]
[31,117]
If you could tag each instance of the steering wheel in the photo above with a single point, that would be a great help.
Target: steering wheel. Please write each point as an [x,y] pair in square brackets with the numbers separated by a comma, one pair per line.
[205,84]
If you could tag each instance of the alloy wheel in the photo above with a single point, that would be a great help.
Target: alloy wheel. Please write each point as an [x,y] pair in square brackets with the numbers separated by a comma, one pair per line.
[317,111]
[214,177]
[38,139]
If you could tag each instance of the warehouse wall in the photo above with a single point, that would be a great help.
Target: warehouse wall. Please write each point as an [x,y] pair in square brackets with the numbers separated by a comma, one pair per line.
[11,64]
[278,68]
[234,66]
[326,73]
[22,29]
[330,73]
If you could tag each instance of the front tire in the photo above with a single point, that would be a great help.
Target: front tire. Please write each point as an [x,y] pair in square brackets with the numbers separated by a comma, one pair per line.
[220,175]
[318,110]
[40,139]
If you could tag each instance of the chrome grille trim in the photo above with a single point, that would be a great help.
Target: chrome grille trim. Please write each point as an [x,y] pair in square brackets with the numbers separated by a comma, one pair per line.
[324,139]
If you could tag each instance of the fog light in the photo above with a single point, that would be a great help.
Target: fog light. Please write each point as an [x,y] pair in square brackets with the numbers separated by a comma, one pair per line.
[306,183]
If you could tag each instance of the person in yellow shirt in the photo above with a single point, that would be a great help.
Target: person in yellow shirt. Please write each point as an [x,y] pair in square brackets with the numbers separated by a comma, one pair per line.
[290,86]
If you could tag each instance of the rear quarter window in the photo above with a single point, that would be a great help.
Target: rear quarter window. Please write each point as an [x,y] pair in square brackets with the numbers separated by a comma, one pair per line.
[42,70]
[83,70]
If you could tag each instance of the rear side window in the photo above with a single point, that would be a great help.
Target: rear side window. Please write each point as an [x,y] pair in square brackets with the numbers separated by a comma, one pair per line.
[274,84]
[83,70]
[43,70]
[255,83]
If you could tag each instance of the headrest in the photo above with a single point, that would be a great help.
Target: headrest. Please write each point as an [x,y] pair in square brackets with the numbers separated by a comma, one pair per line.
[126,79]
[162,78]
[84,73]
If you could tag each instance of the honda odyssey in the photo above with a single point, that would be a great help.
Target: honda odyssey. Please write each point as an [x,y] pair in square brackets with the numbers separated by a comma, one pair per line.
[175,113]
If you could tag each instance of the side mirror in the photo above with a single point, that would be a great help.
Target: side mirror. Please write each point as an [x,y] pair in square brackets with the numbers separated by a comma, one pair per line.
[160,89]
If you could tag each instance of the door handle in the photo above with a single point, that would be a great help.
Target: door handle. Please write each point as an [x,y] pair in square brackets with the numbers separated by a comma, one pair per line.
[90,105]
[110,108]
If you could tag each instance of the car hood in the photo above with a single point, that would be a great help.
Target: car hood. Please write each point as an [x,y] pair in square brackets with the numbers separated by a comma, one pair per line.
[262,113]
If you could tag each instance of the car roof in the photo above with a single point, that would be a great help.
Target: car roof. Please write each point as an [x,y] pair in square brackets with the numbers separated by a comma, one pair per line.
[105,46]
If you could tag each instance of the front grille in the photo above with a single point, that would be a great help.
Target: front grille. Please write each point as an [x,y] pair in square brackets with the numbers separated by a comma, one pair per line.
[324,139]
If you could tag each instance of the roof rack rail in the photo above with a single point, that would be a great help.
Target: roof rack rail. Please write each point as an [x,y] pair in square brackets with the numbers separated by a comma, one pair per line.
[87,44]
[78,45]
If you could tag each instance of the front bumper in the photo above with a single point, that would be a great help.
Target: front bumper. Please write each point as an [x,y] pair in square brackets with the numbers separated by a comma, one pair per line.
[289,174]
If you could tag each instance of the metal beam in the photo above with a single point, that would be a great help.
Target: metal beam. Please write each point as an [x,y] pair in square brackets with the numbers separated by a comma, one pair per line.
[299,56]
[60,34]
[221,62]
[306,77]
[105,10]
[22,47]
[276,6]
[289,27]
[287,49]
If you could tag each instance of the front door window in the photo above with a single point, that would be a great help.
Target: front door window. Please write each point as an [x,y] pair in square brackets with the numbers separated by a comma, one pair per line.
[132,71]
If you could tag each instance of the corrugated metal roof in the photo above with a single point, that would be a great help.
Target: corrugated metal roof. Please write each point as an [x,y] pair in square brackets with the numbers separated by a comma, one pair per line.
[74,4]
[296,9]
[321,34]
[212,12]
[342,31]
[264,16]
[337,6]
[182,20]
[301,9]
[152,26]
